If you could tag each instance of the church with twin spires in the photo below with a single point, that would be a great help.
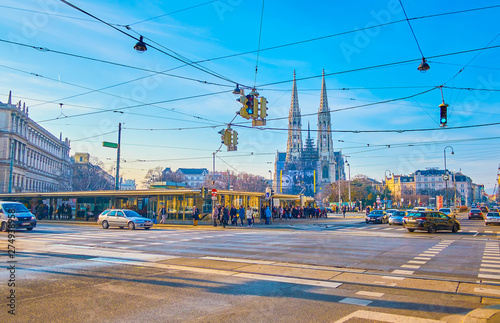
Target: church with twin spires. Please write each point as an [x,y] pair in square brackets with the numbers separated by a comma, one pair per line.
[308,168]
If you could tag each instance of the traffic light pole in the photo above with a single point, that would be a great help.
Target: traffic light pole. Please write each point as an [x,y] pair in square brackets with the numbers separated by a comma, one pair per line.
[117,180]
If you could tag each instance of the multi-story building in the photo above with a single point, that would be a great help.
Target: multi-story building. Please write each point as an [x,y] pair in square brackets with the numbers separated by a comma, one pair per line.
[195,177]
[127,185]
[31,158]
[431,182]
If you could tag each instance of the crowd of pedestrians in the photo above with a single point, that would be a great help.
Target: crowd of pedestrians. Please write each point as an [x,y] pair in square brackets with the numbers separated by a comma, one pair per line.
[239,216]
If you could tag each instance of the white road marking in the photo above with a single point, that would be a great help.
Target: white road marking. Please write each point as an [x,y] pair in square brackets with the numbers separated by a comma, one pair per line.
[417,262]
[422,258]
[488,276]
[491,257]
[384,317]
[426,255]
[491,261]
[393,277]
[249,261]
[355,301]
[370,294]
[490,265]
[290,280]
[403,272]
[410,266]
[432,252]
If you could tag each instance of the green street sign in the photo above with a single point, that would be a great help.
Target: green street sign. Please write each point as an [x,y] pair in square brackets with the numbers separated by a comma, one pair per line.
[109,144]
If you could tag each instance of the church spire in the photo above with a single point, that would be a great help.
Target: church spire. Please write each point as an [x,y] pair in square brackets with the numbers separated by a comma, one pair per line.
[294,144]
[323,105]
[10,98]
[325,141]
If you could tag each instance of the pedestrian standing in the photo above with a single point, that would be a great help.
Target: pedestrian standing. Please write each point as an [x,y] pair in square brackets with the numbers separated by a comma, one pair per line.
[215,215]
[88,213]
[241,213]
[268,215]
[225,216]
[344,209]
[249,216]
[233,213]
[196,216]
[51,211]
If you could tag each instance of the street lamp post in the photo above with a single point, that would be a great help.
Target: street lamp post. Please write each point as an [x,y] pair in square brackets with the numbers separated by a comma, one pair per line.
[446,175]
[349,181]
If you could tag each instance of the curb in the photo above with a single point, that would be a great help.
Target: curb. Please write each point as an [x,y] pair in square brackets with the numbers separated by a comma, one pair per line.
[489,314]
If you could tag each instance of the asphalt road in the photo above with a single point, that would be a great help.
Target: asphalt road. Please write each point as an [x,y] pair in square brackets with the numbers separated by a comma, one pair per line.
[325,270]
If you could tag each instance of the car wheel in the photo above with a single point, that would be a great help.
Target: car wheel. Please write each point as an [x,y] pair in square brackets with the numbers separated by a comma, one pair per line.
[3,227]
[147,228]
[29,229]
[431,228]
[105,224]
[366,222]
[410,230]
[131,225]
[454,229]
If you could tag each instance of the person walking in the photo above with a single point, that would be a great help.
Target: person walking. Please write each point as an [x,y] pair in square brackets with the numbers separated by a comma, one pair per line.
[268,215]
[344,209]
[249,216]
[196,216]
[163,214]
[241,213]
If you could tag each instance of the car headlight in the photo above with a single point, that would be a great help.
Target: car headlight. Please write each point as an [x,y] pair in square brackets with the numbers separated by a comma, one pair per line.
[33,218]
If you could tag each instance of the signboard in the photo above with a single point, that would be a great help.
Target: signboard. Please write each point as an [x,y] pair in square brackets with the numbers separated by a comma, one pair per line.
[109,144]
[439,201]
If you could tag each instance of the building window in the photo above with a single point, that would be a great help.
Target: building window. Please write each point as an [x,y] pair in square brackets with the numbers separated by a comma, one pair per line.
[325,172]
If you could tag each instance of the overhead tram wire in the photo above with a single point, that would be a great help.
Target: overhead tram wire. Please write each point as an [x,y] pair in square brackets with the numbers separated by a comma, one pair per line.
[158,49]
[411,28]
[103,110]
[170,13]
[258,46]
[341,34]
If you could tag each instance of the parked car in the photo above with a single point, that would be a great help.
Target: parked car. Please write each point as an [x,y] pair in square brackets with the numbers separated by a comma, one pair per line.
[430,222]
[476,214]
[21,216]
[122,218]
[492,218]
[377,216]
[397,217]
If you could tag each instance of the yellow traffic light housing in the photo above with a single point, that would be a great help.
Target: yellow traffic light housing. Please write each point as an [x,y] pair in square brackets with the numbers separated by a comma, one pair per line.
[255,111]
[222,135]
[235,138]
[228,137]
[263,108]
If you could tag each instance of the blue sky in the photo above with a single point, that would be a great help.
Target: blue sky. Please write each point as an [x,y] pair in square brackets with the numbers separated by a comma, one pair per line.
[226,27]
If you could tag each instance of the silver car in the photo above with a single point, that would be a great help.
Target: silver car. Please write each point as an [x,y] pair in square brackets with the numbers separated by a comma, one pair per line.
[122,218]
[397,217]
[492,218]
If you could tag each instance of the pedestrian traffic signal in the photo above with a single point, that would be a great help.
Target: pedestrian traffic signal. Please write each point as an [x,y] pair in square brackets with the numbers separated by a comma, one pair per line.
[263,108]
[443,120]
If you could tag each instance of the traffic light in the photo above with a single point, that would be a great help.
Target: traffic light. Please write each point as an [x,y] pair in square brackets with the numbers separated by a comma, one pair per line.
[235,138]
[222,135]
[228,136]
[249,103]
[204,192]
[443,120]
[263,108]
[255,111]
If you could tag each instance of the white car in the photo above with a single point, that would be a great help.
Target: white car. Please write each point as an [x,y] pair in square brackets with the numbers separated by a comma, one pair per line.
[21,217]
[492,218]
[122,218]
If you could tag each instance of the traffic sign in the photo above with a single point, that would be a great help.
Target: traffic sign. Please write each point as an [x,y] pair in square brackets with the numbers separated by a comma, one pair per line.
[445,177]
[214,192]
[109,144]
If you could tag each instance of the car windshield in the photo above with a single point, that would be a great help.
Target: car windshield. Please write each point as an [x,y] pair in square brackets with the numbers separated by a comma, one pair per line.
[377,212]
[445,210]
[131,214]
[399,213]
[494,214]
[475,211]
[417,214]
[18,207]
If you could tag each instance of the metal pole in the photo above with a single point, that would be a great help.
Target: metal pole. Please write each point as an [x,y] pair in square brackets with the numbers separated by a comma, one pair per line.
[11,169]
[446,175]
[213,172]
[349,166]
[117,180]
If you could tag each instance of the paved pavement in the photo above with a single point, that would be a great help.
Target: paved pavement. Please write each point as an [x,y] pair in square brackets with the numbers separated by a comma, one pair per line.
[339,270]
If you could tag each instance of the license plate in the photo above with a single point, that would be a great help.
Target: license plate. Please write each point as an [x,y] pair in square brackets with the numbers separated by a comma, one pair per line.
[26,223]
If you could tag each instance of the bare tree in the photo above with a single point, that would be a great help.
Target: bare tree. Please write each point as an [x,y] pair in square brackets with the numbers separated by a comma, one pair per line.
[91,177]
[241,182]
